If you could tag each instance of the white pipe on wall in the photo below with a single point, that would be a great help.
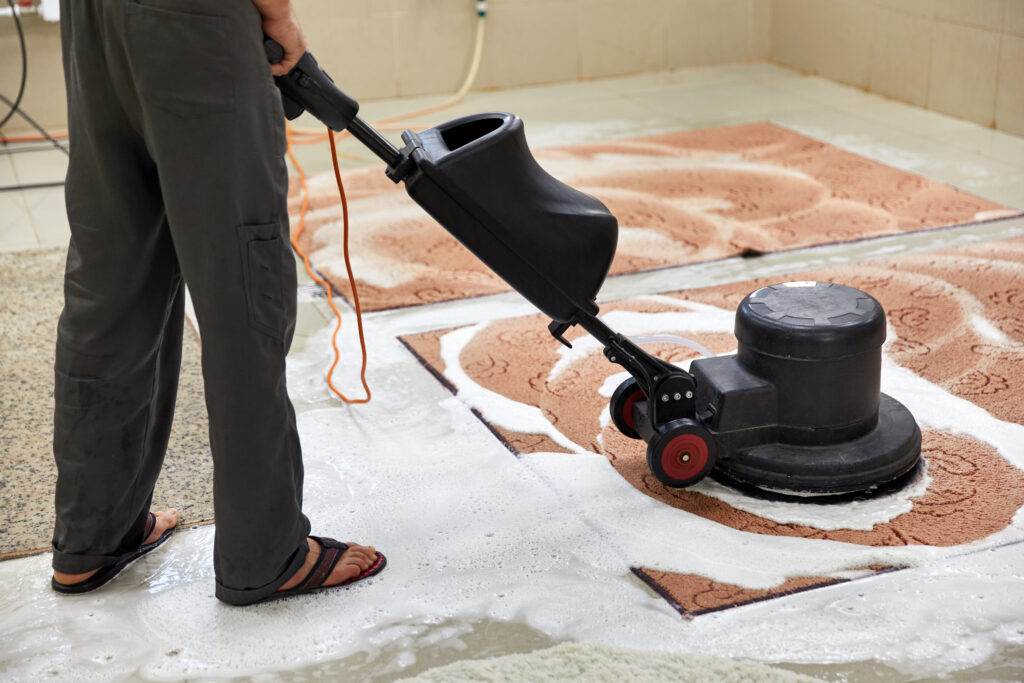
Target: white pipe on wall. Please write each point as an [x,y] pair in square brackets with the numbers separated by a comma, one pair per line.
[47,9]
[50,10]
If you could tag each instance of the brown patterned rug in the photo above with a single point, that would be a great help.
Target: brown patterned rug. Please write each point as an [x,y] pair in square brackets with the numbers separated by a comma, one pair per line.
[33,295]
[680,198]
[957,320]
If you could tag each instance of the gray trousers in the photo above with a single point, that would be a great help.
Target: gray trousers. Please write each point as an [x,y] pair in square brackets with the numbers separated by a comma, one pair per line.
[177,176]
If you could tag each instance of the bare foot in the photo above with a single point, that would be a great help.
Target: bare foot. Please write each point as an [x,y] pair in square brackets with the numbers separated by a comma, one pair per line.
[167,519]
[354,561]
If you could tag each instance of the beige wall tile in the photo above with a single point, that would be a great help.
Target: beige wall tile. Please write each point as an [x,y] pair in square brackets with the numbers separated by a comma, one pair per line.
[355,43]
[795,38]
[385,48]
[979,13]
[1014,22]
[1010,95]
[962,81]
[433,48]
[762,28]
[901,58]
[920,8]
[942,54]
[317,10]
[530,41]
[423,7]
[618,37]
[708,32]
[848,28]
[684,44]
[44,94]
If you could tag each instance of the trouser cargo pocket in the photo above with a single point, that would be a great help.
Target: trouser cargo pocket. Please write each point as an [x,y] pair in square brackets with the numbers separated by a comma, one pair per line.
[264,253]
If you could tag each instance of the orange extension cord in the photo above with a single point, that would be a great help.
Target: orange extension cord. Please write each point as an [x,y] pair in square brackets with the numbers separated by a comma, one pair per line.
[323,283]
[7,139]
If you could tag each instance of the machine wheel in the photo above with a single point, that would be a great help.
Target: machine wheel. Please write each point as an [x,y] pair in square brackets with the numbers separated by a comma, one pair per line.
[621,407]
[681,453]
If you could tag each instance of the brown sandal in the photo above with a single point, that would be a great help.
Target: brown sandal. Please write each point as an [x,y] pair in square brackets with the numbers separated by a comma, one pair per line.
[330,554]
[106,574]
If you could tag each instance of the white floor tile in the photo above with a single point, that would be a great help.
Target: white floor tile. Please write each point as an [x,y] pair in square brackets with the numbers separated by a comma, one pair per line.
[721,103]
[7,176]
[49,216]
[16,231]
[40,166]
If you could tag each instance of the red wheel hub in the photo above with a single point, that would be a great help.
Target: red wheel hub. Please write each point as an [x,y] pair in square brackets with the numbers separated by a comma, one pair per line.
[684,457]
[627,408]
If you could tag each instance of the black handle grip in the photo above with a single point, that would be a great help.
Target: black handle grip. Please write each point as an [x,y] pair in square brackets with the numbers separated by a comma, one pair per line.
[307,87]
[275,53]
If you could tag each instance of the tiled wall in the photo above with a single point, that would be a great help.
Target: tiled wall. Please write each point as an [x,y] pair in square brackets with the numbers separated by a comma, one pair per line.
[387,48]
[391,48]
[960,57]
[44,95]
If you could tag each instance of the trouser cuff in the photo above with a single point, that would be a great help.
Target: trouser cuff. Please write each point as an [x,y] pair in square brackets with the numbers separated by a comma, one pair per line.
[82,562]
[248,596]
[77,563]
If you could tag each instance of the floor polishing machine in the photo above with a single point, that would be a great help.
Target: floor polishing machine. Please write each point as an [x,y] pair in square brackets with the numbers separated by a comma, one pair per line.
[796,411]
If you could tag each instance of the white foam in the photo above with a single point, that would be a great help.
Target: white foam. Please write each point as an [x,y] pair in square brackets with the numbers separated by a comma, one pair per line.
[603,164]
[473,534]
[935,407]
[700,318]
[573,661]
[643,241]
[932,406]
[988,331]
[862,515]
[501,411]
[994,214]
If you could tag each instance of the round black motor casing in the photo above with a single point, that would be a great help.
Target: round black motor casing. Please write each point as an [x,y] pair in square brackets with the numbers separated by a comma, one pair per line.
[820,344]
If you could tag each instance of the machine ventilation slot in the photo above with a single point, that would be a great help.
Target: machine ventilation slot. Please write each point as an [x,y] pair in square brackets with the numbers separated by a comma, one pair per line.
[463,134]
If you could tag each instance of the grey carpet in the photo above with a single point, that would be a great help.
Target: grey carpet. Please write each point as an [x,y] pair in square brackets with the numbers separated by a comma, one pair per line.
[31,297]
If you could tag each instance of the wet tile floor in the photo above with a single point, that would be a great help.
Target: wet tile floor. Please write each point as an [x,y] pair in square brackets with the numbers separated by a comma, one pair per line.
[149,625]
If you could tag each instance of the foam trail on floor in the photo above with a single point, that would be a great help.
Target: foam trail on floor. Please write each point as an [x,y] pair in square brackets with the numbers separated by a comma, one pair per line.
[473,533]
[511,415]
[932,405]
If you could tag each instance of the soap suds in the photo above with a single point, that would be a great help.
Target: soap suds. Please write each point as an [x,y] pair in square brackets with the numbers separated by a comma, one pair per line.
[596,663]
[473,533]
[932,405]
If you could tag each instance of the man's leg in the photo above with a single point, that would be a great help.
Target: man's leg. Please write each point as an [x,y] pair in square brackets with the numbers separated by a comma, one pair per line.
[214,124]
[119,336]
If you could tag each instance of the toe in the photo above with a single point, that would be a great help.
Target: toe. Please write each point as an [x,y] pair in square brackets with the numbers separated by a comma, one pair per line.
[360,556]
[356,560]
[165,519]
[360,551]
[365,558]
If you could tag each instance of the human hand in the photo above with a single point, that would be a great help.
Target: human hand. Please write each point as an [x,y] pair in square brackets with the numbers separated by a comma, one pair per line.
[281,24]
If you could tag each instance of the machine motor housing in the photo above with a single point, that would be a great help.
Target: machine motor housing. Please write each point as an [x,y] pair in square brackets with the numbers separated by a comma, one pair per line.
[799,407]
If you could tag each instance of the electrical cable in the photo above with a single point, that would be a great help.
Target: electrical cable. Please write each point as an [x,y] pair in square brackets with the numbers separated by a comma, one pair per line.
[32,186]
[32,122]
[15,108]
[49,137]
[305,137]
[24,66]
[297,233]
